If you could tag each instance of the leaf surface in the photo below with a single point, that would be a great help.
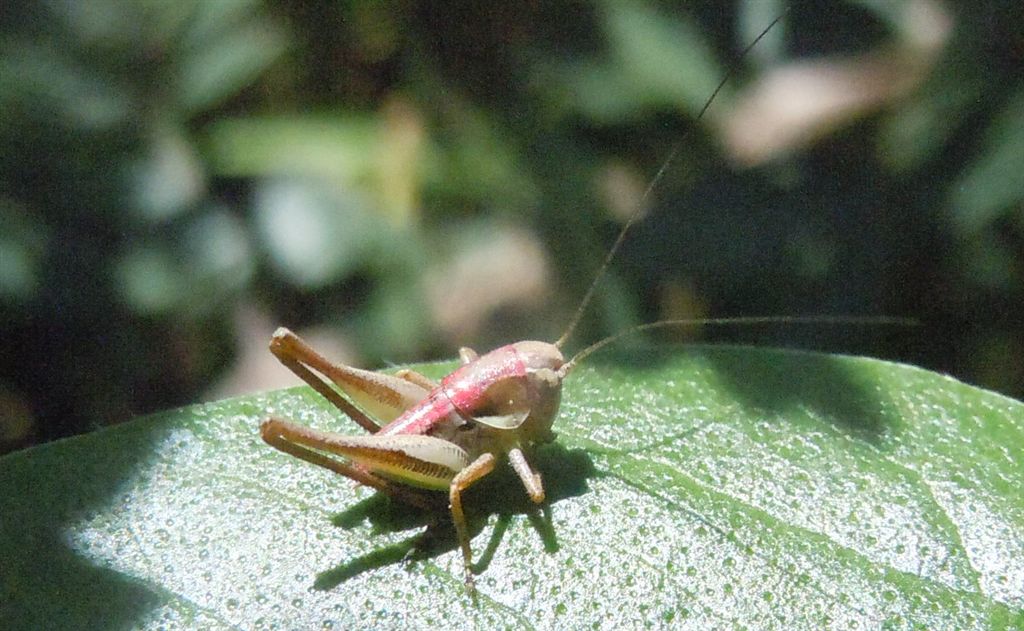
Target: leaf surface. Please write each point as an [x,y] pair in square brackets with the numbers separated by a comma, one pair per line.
[707,487]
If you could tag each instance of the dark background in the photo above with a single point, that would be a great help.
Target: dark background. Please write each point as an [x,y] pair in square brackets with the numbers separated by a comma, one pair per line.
[397,179]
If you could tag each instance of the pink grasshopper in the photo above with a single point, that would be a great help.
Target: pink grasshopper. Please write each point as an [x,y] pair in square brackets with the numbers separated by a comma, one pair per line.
[447,435]
[439,436]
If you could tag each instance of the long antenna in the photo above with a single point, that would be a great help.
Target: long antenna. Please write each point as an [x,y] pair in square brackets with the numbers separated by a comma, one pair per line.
[824,320]
[587,297]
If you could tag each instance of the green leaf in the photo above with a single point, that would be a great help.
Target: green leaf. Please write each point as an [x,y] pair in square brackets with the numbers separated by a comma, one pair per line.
[989,189]
[656,61]
[708,487]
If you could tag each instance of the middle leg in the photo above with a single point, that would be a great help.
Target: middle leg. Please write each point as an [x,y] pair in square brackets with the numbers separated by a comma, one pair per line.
[462,481]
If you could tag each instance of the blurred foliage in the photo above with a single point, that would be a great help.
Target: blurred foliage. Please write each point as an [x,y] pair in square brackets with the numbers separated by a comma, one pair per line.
[351,166]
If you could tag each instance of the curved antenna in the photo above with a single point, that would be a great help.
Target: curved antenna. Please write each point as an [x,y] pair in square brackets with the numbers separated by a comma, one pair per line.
[587,297]
[741,320]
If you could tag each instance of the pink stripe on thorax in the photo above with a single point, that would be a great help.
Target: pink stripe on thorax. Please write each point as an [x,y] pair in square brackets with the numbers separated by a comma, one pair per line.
[460,390]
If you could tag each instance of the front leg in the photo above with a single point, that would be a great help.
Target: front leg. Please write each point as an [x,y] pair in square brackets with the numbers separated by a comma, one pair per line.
[530,478]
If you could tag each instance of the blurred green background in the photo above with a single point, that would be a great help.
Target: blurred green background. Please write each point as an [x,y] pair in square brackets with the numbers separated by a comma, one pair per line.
[396,179]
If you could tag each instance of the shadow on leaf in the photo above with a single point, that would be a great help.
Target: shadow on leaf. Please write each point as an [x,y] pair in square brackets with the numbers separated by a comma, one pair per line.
[565,475]
[780,382]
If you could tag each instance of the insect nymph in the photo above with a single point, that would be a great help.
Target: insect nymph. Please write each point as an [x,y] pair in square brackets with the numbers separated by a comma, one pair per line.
[438,436]
[443,436]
